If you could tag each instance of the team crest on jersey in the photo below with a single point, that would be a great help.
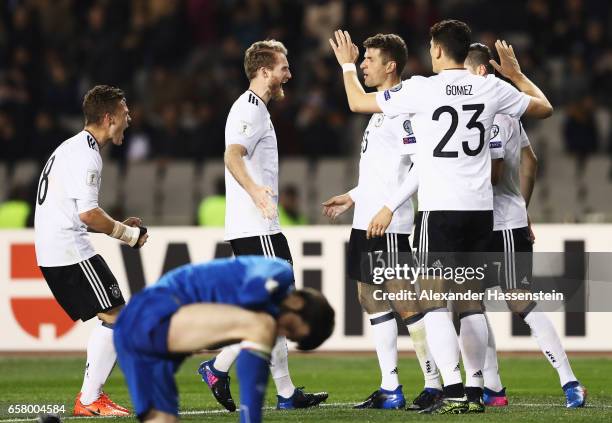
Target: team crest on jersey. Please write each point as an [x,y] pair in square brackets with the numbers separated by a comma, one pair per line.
[115,291]
[93,176]
[396,88]
[378,119]
[494,131]
[408,127]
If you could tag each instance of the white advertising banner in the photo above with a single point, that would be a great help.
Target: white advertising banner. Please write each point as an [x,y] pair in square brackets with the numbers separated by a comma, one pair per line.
[31,320]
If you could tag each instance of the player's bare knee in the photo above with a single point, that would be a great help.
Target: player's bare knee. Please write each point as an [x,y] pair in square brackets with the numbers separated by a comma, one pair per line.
[366,298]
[110,316]
[465,307]
[262,329]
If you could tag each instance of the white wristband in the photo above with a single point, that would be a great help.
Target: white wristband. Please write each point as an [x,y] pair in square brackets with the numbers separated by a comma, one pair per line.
[125,233]
[349,67]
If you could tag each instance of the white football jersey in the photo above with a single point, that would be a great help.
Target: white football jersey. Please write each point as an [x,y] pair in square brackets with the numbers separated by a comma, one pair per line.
[68,186]
[249,125]
[453,115]
[507,140]
[387,144]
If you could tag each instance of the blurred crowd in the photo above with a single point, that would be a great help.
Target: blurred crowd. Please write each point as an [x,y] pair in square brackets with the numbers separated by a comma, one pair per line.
[180,63]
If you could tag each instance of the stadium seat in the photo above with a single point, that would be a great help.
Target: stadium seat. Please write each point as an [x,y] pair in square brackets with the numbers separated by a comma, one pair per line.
[332,177]
[295,172]
[142,191]
[109,190]
[211,171]
[24,173]
[3,182]
[177,187]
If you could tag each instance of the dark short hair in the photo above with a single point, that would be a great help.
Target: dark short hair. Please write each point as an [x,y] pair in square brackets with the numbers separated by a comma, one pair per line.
[392,47]
[319,315]
[454,37]
[480,54]
[100,100]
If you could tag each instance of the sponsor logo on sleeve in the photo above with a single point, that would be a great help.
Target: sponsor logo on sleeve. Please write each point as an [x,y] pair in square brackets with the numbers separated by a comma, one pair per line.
[495,144]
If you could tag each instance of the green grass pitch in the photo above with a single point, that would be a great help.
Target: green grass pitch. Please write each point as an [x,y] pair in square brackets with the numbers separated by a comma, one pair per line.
[532,386]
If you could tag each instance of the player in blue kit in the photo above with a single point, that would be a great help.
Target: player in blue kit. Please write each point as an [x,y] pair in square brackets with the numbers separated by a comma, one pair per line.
[247,300]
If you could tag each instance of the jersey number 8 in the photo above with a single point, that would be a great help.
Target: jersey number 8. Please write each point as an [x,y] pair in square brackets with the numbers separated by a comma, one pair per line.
[44,180]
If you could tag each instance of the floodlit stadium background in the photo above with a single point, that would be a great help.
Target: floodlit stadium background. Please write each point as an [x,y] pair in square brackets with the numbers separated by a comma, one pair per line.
[180,63]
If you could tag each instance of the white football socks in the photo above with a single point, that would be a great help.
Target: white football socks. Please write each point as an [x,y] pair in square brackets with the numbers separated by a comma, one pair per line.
[473,339]
[227,356]
[418,335]
[443,345]
[547,338]
[279,367]
[384,332]
[101,357]
[490,372]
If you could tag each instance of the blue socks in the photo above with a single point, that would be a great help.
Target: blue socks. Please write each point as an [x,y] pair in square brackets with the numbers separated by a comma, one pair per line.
[252,370]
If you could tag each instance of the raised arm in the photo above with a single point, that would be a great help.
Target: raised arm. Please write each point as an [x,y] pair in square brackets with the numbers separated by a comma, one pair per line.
[539,106]
[347,53]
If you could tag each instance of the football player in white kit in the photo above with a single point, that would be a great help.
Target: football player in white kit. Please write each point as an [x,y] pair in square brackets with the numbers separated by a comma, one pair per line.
[387,144]
[66,207]
[513,171]
[251,219]
[453,114]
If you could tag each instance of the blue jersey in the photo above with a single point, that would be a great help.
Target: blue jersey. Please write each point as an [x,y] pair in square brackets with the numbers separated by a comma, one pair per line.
[251,282]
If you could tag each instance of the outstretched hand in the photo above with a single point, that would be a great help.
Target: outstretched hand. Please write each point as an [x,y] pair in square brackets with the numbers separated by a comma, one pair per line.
[344,49]
[337,205]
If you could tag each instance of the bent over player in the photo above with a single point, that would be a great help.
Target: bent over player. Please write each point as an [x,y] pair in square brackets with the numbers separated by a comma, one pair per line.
[66,206]
[247,300]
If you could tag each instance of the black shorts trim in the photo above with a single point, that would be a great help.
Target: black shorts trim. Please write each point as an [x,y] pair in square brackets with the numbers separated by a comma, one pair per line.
[84,289]
[363,252]
[263,245]
[511,259]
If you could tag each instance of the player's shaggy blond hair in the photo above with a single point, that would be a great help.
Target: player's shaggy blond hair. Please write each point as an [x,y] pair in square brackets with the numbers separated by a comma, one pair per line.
[262,54]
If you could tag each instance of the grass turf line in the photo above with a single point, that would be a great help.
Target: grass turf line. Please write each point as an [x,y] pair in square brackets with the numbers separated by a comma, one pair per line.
[532,386]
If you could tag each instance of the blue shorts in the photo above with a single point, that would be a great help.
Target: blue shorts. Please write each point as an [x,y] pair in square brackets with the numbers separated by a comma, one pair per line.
[141,341]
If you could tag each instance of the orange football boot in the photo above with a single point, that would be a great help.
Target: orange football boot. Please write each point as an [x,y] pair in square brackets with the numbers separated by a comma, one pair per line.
[100,407]
[104,397]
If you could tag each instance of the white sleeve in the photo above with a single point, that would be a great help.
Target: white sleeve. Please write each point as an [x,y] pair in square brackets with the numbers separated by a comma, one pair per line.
[500,134]
[354,193]
[523,136]
[511,101]
[245,126]
[406,190]
[84,181]
[406,97]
